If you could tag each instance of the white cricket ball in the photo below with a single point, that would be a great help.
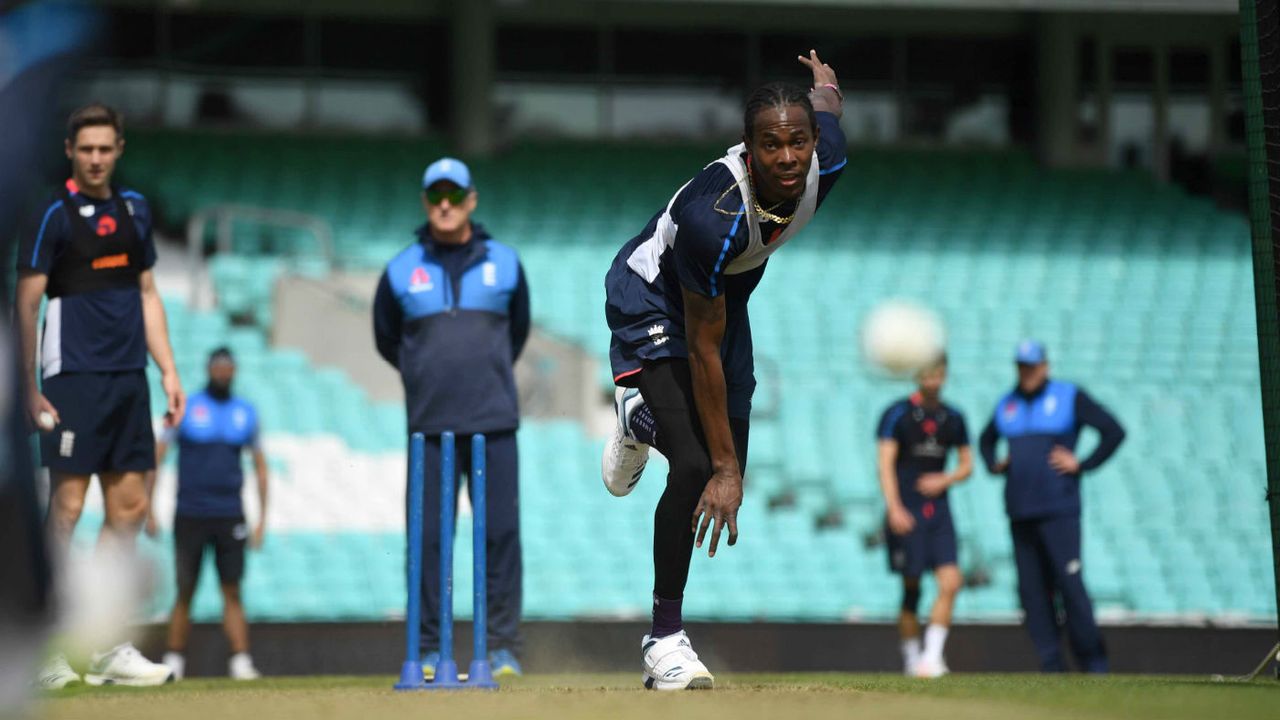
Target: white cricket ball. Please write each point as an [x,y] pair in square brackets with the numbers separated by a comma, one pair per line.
[46,420]
[901,337]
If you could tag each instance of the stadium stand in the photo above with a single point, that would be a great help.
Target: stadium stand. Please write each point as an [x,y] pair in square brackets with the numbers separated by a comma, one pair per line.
[1139,291]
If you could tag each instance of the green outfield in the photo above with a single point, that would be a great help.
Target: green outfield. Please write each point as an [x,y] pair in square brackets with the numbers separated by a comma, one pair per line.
[789,697]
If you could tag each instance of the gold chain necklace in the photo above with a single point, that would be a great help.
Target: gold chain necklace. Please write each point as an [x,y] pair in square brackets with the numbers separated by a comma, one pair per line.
[765,214]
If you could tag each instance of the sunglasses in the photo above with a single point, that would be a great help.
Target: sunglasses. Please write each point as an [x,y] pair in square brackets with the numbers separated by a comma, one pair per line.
[455,197]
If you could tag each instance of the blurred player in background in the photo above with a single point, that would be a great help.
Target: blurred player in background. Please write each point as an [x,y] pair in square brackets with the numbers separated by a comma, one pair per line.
[1041,420]
[677,307]
[914,438]
[91,252]
[451,313]
[212,437]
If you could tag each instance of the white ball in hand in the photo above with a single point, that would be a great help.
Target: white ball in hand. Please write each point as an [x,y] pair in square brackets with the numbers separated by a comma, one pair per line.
[46,420]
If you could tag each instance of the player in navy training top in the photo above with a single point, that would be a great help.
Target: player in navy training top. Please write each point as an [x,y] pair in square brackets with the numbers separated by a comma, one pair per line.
[211,439]
[677,308]
[1040,421]
[915,436]
[451,315]
[91,252]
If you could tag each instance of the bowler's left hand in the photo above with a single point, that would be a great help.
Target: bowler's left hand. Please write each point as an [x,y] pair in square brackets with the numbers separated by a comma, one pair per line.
[1063,460]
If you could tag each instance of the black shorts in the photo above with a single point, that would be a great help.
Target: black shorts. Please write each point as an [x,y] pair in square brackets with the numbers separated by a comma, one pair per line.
[931,545]
[191,535]
[105,423]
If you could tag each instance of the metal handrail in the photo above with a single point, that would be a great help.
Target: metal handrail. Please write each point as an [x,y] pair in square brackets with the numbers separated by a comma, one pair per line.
[224,217]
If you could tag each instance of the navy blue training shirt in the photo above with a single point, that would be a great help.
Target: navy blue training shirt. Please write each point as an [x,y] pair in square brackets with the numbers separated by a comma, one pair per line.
[453,319]
[88,328]
[1033,424]
[704,242]
[211,439]
[925,436]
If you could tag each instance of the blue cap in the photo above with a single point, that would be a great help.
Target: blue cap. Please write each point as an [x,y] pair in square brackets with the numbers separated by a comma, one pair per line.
[1030,352]
[451,169]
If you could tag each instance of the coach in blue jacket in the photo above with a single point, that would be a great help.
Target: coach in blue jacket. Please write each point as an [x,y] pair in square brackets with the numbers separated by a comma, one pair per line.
[1041,420]
[451,313]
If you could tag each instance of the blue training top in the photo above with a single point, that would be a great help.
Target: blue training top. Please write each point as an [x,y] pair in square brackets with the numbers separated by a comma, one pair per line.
[453,319]
[210,439]
[91,326]
[712,243]
[1033,424]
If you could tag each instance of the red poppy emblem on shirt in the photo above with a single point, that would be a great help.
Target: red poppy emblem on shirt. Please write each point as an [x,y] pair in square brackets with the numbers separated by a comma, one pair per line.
[930,426]
[106,226]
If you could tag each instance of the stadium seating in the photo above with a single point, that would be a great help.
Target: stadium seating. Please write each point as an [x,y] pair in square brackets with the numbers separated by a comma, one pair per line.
[1143,295]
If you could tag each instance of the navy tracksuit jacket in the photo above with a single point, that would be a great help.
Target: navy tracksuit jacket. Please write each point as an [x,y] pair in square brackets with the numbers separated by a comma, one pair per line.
[1044,512]
[453,319]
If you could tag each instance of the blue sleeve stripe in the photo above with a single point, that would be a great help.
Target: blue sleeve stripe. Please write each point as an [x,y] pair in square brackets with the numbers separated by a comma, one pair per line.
[835,168]
[35,254]
[724,250]
[131,194]
[891,421]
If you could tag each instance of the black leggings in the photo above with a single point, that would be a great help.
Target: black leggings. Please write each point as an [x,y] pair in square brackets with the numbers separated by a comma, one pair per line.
[667,388]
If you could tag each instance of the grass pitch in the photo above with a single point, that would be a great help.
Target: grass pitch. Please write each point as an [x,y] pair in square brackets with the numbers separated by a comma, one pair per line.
[787,697]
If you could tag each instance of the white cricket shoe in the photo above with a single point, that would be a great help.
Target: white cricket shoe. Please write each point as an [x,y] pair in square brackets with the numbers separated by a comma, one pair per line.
[240,667]
[175,662]
[671,664]
[624,456]
[57,674]
[928,668]
[124,665]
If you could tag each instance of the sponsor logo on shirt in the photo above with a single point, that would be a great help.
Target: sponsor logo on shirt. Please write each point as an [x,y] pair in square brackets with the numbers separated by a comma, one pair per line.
[1050,405]
[490,272]
[106,226]
[658,334]
[107,262]
[240,418]
[420,281]
[200,415]
[1010,410]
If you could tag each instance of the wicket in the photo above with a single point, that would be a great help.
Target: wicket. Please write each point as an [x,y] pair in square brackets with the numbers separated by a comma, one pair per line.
[480,676]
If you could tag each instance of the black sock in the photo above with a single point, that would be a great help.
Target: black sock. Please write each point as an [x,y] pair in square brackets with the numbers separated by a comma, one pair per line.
[667,619]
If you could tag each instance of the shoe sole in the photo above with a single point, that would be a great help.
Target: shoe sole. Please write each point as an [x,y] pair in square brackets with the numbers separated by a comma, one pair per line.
[698,682]
[100,680]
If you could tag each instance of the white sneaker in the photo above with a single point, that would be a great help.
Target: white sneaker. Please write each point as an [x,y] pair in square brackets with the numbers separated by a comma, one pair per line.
[124,665]
[240,667]
[671,664]
[57,674]
[929,668]
[624,456]
[175,662]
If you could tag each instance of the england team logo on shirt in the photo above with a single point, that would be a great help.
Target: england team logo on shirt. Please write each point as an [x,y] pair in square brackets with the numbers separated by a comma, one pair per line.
[658,334]
[420,281]
[200,415]
[240,418]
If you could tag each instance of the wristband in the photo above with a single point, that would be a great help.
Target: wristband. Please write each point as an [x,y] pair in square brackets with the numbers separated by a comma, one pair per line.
[836,89]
